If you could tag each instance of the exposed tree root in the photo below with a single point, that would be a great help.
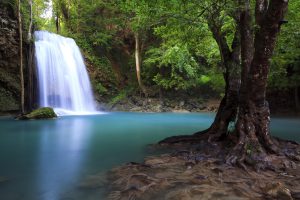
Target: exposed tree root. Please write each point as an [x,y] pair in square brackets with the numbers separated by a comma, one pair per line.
[250,144]
[196,171]
[247,152]
[191,139]
[219,129]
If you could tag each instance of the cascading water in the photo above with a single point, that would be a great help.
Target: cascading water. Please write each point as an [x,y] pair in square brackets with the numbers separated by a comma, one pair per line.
[62,77]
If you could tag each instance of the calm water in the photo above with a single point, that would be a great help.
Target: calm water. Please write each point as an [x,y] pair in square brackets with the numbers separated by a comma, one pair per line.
[48,159]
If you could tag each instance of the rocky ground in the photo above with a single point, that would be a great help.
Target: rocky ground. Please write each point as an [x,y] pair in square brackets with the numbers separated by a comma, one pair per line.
[138,104]
[199,173]
[9,56]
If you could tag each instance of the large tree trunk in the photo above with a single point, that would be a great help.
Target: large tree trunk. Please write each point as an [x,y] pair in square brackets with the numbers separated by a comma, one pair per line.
[21,57]
[254,116]
[253,142]
[227,110]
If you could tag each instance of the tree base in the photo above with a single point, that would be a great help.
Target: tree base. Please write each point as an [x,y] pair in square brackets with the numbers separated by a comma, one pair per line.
[244,152]
[200,171]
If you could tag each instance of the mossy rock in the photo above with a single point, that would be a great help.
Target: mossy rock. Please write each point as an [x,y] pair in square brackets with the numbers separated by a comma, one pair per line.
[40,113]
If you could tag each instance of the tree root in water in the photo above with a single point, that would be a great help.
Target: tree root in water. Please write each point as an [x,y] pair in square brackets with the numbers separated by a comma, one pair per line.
[207,171]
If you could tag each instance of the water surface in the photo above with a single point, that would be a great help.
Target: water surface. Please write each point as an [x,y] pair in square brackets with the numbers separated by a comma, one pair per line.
[48,159]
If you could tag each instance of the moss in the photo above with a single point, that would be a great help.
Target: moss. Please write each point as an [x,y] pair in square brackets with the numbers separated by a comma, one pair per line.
[101,89]
[122,95]
[41,113]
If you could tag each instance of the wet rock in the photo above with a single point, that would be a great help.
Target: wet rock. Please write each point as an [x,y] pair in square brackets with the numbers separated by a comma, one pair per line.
[40,113]
[180,111]
[181,103]
[9,57]
[154,161]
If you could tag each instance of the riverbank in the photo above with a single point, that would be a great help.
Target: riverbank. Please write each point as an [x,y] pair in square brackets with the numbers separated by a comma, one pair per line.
[199,172]
[278,106]
[176,105]
[139,104]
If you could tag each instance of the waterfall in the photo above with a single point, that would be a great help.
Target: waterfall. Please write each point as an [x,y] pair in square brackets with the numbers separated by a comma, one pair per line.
[63,80]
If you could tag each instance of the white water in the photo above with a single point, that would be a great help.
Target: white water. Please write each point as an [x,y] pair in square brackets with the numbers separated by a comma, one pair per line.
[62,76]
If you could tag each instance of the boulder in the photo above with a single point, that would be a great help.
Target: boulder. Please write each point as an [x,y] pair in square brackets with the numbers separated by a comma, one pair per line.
[40,113]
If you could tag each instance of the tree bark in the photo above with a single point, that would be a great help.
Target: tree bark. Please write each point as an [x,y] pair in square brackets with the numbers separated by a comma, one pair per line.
[253,122]
[247,44]
[57,23]
[30,22]
[227,110]
[138,62]
[228,107]
[21,57]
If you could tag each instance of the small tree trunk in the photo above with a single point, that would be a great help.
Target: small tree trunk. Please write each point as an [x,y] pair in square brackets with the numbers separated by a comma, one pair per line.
[31,77]
[138,62]
[227,110]
[78,17]
[57,23]
[29,91]
[231,61]
[69,6]
[21,57]
[30,22]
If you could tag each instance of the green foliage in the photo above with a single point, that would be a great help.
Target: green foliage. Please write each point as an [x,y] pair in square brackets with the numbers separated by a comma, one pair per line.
[217,82]
[178,49]
[101,89]
[203,79]
[182,67]
[40,20]
[121,95]
[170,63]
[286,60]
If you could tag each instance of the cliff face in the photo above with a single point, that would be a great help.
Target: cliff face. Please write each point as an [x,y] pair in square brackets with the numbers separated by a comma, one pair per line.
[9,60]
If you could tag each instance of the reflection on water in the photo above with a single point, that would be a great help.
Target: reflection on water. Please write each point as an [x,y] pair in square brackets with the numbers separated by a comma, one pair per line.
[288,128]
[47,159]
[60,156]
